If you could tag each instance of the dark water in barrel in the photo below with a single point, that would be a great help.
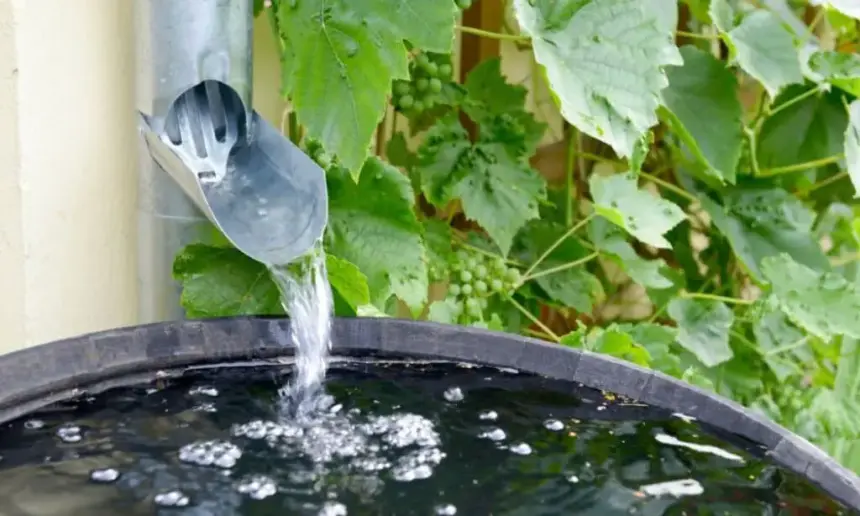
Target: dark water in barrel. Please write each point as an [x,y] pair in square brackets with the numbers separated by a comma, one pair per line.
[391,440]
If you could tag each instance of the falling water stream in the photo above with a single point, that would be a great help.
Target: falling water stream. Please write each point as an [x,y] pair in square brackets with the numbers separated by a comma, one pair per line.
[307,298]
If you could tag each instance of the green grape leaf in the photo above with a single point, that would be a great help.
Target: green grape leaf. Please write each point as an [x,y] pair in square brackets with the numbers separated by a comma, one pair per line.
[852,145]
[657,340]
[847,7]
[702,106]
[840,69]
[499,109]
[344,57]
[488,93]
[786,14]
[772,332]
[612,341]
[372,225]
[723,15]
[807,130]
[497,191]
[647,217]
[445,311]
[703,329]
[437,239]
[574,287]
[223,281]
[824,304]
[760,222]
[398,153]
[765,49]
[348,281]
[609,239]
[604,60]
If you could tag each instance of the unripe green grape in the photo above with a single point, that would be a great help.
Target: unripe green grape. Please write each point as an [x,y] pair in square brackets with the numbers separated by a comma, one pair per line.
[464,4]
[418,106]
[406,102]
[422,84]
[435,85]
[454,289]
[445,71]
[480,271]
[480,287]
[499,265]
[473,307]
[401,88]
[422,60]
[497,285]
[512,275]
[472,263]
[462,255]
[432,69]
[466,276]
[466,289]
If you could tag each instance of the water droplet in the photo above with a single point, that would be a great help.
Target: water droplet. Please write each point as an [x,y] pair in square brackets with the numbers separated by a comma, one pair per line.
[453,394]
[351,47]
[573,479]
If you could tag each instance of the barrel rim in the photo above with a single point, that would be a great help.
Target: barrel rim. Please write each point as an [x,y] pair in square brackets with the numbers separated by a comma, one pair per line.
[59,370]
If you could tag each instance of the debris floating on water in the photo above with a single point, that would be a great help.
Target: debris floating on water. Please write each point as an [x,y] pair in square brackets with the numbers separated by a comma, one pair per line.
[104,476]
[453,394]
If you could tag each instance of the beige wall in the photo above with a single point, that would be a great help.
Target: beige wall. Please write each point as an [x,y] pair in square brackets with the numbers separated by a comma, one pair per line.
[67,183]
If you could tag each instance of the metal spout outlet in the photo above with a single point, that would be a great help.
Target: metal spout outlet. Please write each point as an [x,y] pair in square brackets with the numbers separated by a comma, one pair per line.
[208,156]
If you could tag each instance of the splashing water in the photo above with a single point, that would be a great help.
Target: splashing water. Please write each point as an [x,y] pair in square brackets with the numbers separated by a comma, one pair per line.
[307,298]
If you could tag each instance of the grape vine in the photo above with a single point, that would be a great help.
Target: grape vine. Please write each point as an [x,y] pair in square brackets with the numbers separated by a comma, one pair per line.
[689,205]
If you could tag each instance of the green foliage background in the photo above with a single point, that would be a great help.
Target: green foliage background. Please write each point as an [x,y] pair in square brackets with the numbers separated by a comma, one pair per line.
[737,224]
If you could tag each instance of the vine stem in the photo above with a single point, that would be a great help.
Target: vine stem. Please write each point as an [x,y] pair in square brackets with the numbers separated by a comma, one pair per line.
[794,100]
[696,35]
[537,322]
[492,35]
[768,172]
[572,148]
[824,182]
[715,297]
[559,268]
[557,243]
[669,186]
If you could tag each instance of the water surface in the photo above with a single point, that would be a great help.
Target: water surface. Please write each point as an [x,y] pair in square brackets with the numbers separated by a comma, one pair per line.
[386,439]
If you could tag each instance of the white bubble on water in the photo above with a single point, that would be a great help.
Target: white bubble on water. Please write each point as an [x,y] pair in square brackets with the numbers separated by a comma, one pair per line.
[333,509]
[453,394]
[446,510]
[171,499]
[553,424]
[104,476]
[521,449]
[257,487]
[69,434]
[488,415]
[211,453]
[33,424]
[573,479]
[496,434]
[204,390]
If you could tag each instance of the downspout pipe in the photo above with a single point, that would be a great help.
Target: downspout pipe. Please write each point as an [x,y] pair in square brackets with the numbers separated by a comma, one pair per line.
[269,200]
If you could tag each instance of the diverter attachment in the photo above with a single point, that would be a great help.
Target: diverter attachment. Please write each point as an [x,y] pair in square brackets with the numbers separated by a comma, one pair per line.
[266,195]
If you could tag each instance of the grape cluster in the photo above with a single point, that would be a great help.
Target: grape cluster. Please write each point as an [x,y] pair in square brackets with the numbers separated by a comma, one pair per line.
[422,91]
[474,277]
